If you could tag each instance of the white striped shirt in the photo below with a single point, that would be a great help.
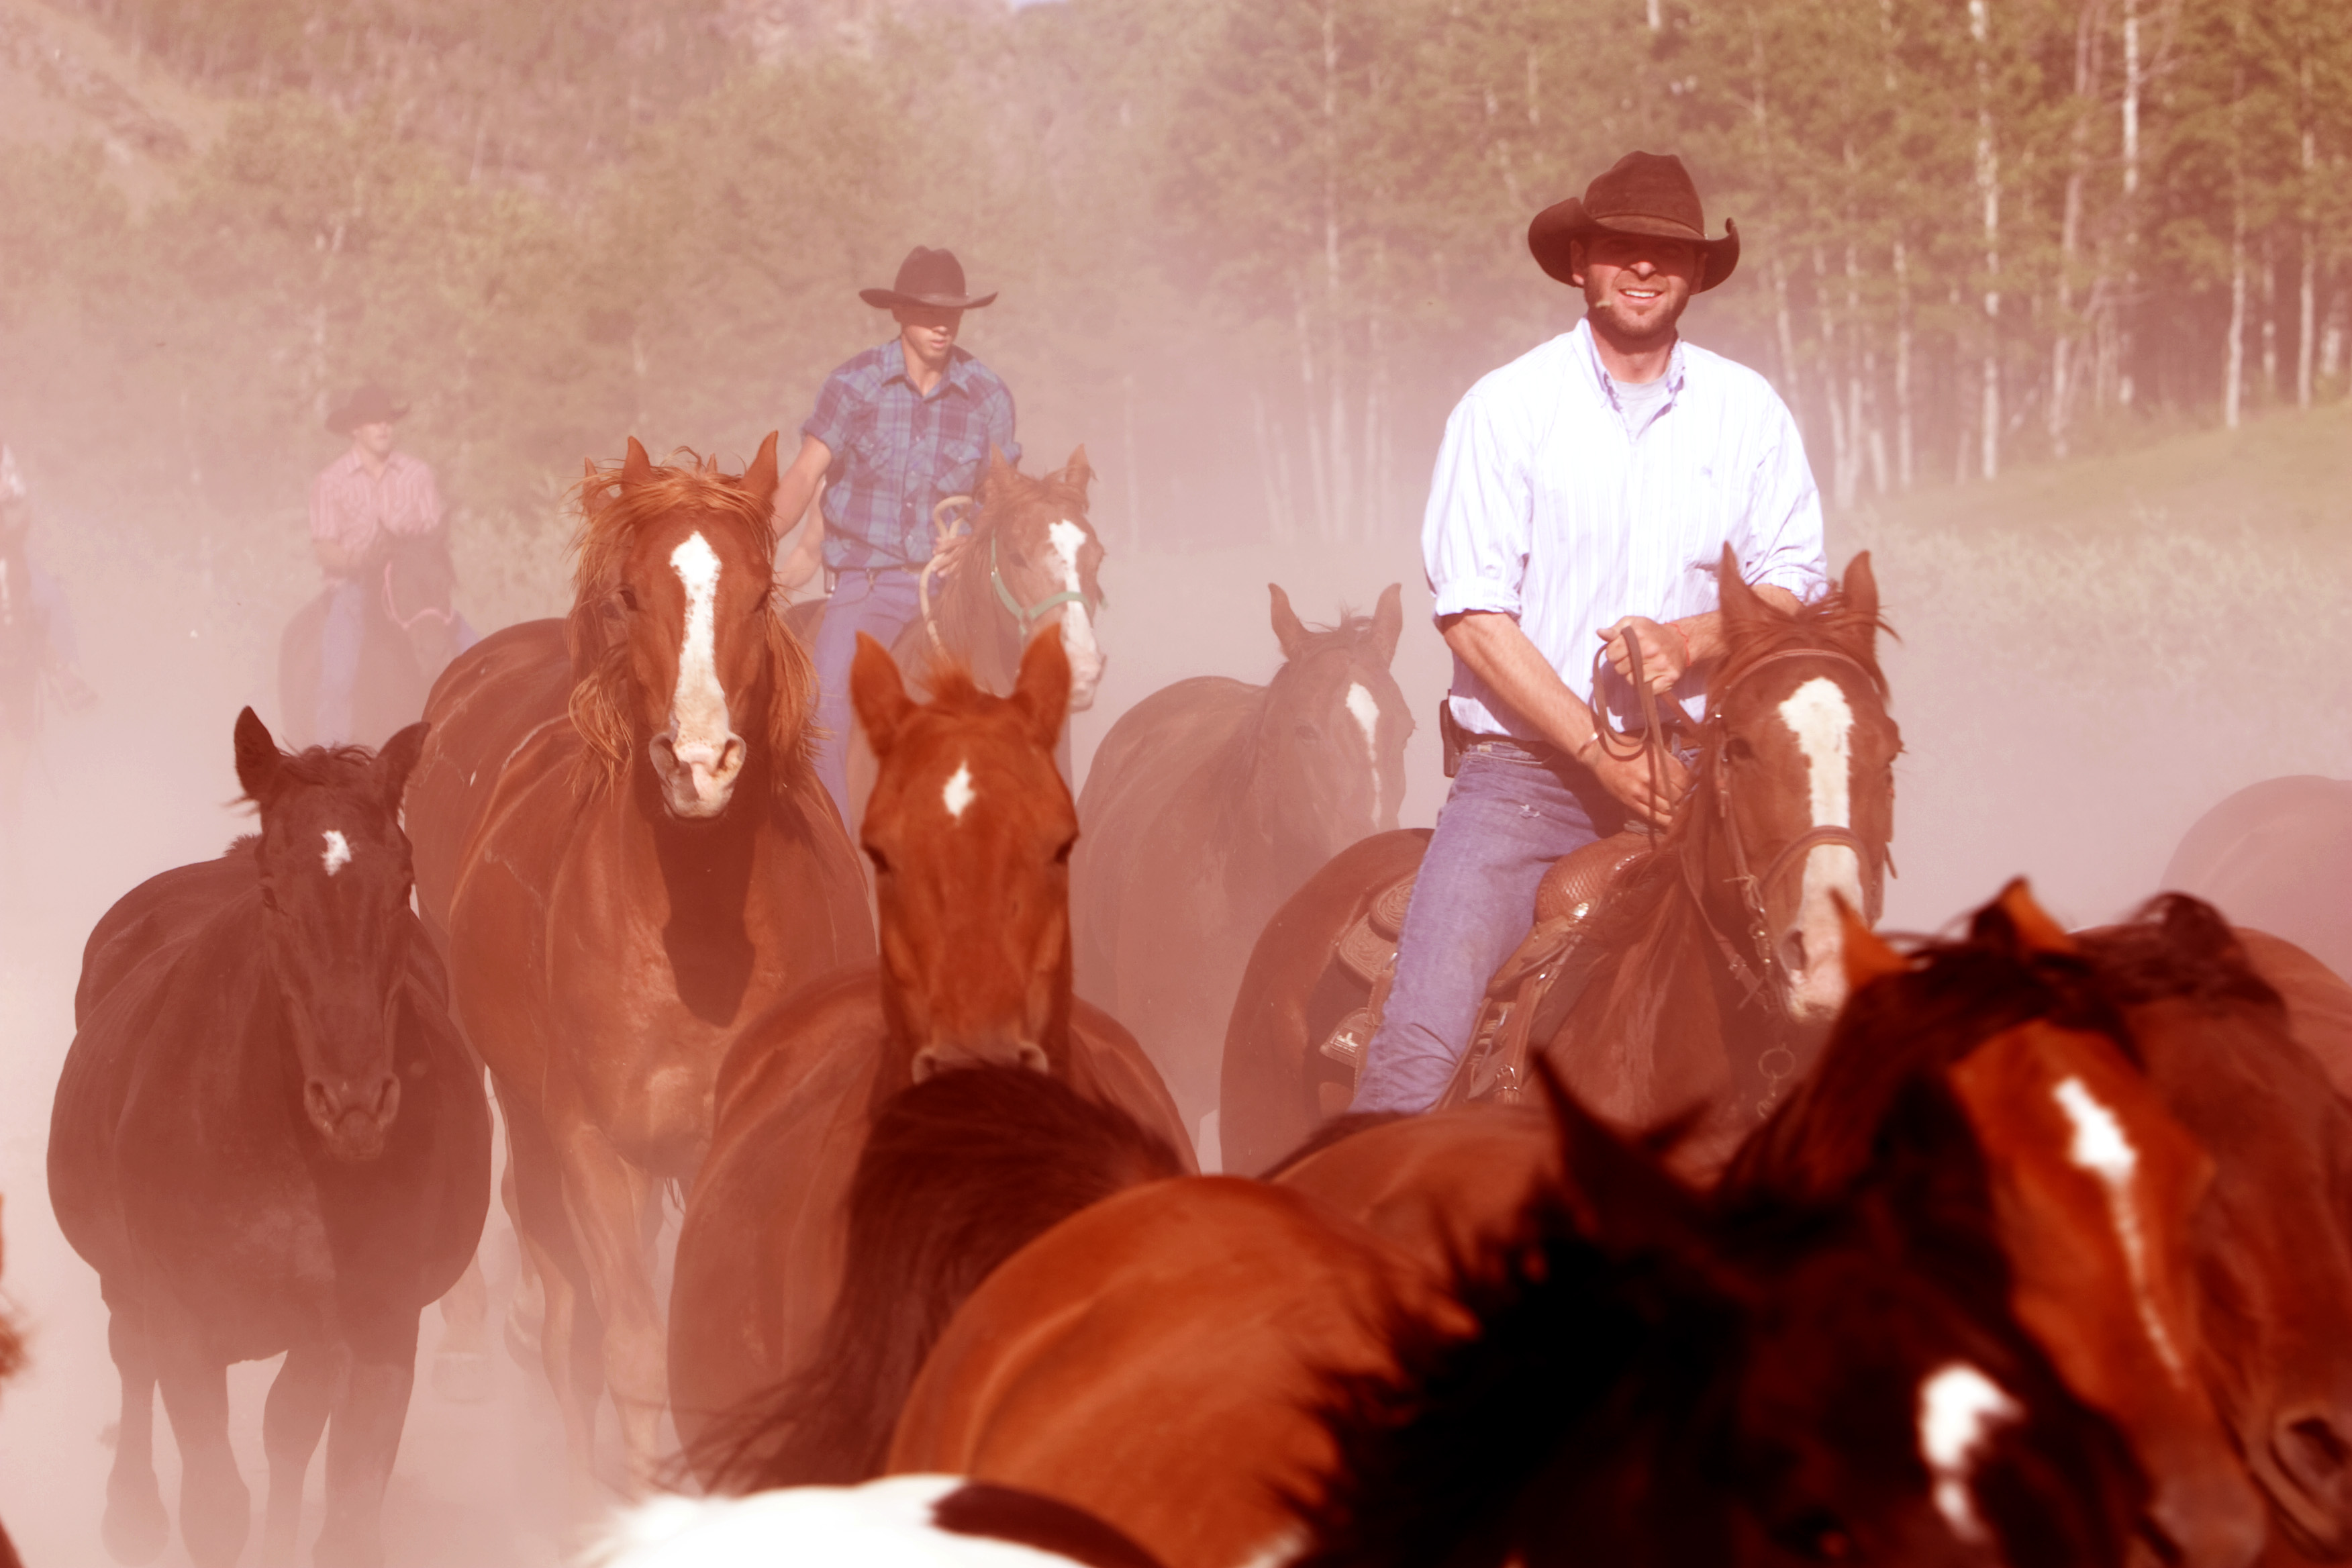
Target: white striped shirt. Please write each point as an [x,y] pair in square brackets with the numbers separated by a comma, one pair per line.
[1542,507]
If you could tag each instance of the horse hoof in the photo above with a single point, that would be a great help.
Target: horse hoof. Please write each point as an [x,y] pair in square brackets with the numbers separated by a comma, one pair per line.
[136,1528]
[462,1377]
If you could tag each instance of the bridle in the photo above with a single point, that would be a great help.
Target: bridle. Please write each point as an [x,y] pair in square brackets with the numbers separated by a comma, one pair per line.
[948,518]
[1762,975]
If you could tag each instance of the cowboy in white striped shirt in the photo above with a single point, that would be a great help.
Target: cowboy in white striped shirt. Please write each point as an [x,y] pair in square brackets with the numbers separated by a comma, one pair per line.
[1582,497]
[359,504]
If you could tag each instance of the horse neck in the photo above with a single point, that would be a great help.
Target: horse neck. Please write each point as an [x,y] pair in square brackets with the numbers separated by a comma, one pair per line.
[1287,846]
[975,627]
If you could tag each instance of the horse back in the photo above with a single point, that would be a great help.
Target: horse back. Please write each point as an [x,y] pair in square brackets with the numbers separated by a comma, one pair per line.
[2278,855]
[158,913]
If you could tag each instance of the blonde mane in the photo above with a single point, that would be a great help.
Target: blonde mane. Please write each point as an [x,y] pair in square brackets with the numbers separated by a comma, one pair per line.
[612,511]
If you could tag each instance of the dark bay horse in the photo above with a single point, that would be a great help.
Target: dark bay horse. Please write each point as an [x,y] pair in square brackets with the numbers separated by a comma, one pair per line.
[269,1137]
[1209,803]
[2277,855]
[1716,971]
[969,830]
[620,840]
[407,636]
[1032,560]
[1231,1371]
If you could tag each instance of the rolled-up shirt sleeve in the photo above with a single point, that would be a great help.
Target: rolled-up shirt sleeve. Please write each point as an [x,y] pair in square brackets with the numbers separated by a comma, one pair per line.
[837,409]
[1473,538]
[1778,541]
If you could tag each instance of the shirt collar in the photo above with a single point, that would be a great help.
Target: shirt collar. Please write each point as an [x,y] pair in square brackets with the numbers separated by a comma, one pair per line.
[894,366]
[1677,365]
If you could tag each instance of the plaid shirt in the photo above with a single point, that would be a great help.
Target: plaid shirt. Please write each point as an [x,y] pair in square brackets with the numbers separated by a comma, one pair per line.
[895,455]
[356,509]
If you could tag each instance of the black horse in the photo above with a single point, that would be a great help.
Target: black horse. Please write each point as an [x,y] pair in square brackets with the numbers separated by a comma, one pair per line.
[269,1137]
[408,637]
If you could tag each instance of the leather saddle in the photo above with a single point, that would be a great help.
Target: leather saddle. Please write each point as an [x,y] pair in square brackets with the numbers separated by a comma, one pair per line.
[1528,997]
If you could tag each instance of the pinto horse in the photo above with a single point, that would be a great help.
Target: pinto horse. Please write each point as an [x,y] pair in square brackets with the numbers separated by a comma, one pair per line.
[969,830]
[1231,1371]
[1208,803]
[269,1137]
[617,831]
[1716,971]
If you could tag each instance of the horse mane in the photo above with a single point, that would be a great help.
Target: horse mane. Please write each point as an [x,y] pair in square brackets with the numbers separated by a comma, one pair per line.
[957,1173]
[329,767]
[2177,946]
[1834,620]
[1349,634]
[611,512]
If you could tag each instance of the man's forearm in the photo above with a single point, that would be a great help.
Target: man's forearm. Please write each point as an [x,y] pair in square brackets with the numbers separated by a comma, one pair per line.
[1704,632]
[1501,655]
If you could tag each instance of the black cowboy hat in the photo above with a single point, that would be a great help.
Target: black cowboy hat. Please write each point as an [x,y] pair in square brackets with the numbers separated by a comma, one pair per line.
[1646,193]
[927,276]
[369,405]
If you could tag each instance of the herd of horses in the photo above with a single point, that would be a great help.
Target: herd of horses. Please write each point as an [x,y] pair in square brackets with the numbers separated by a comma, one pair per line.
[1779,1244]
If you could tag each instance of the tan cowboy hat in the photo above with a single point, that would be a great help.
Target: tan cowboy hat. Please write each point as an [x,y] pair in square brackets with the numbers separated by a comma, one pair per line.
[1646,193]
[371,405]
[933,278]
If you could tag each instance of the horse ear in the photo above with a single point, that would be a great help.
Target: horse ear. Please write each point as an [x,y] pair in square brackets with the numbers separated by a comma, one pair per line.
[1287,629]
[1388,623]
[1740,605]
[1866,954]
[398,760]
[1077,472]
[639,469]
[1043,690]
[760,478]
[1618,1195]
[1861,590]
[595,489]
[878,694]
[257,758]
[2015,921]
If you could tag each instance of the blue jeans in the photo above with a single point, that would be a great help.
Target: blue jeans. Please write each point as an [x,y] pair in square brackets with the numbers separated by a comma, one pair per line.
[338,660]
[1509,815]
[881,604]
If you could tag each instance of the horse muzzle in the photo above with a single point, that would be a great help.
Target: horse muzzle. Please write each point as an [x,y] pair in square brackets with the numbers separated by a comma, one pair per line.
[942,1056]
[698,777]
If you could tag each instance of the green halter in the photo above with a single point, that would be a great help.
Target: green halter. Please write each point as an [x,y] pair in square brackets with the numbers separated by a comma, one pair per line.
[1034,613]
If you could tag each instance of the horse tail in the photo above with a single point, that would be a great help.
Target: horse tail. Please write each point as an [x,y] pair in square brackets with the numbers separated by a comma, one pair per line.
[957,1173]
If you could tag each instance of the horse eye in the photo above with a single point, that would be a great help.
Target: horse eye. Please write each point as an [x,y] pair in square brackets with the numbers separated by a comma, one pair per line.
[881,861]
[1818,1535]
[628,597]
[1737,749]
[1062,856]
[1309,732]
[269,897]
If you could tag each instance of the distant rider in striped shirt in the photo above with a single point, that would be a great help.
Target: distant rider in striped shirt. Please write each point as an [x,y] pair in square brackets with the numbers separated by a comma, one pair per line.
[1582,497]
[896,430]
[359,504]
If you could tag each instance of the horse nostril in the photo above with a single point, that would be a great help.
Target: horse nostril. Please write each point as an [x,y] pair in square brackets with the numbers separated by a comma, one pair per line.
[1033,1056]
[2318,1444]
[927,1062]
[1793,952]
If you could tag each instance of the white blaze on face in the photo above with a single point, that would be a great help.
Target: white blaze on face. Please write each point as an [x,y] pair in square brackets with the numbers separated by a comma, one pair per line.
[2101,1147]
[1817,714]
[1365,708]
[1077,626]
[699,756]
[337,853]
[959,795]
[1958,1408]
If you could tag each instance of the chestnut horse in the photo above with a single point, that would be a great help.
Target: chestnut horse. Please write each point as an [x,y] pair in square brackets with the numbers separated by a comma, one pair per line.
[1226,1369]
[1208,803]
[1718,969]
[969,830]
[618,830]
[269,1137]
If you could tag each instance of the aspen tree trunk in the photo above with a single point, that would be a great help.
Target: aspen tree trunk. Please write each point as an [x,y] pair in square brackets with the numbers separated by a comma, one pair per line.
[1988,192]
[2070,234]
[1337,458]
[2309,302]
[1905,471]
[2127,309]
[2234,378]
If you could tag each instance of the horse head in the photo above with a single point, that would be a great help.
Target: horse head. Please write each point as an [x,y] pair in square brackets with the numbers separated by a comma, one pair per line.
[2273,1259]
[1658,1378]
[969,829]
[1044,559]
[676,655]
[1332,731]
[1800,752]
[333,886]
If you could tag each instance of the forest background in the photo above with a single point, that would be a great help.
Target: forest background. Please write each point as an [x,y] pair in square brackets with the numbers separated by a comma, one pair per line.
[1250,250]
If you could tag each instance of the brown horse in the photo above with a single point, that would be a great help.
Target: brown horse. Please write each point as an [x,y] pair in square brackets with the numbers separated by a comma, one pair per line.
[2277,855]
[1226,1370]
[616,829]
[1209,803]
[1032,560]
[970,831]
[1717,968]
[408,635]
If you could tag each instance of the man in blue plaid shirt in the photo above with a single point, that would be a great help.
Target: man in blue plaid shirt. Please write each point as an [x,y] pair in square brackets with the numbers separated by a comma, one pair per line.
[896,430]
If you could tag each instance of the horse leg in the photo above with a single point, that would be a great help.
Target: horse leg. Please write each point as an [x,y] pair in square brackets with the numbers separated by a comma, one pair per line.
[291,1420]
[136,1527]
[371,1407]
[461,1366]
[568,1338]
[215,1508]
[607,1196]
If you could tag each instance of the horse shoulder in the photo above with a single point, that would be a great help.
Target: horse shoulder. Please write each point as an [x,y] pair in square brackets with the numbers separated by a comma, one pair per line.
[1437,1185]
[166,908]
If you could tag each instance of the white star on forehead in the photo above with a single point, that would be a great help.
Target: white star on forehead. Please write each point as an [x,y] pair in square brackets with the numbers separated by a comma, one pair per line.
[959,795]
[337,852]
